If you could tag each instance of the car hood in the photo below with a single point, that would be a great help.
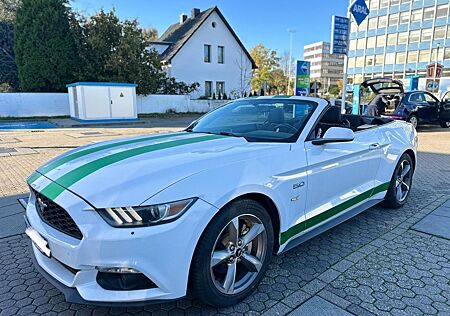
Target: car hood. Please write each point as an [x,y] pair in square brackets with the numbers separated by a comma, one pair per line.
[126,172]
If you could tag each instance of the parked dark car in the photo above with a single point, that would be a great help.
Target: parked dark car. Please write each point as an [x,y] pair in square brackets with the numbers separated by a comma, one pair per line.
[416,107]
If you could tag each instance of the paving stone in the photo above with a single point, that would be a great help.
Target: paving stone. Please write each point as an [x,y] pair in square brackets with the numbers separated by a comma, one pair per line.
[434,225]
[317,306]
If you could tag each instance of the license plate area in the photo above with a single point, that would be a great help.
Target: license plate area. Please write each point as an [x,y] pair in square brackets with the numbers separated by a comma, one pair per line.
[40,242]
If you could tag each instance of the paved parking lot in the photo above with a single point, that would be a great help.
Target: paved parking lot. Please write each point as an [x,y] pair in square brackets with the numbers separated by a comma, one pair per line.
[375,263]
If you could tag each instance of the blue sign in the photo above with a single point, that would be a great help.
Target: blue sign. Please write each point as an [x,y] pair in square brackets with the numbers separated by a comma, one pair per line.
[340,30]
[302,78]
[356,99]
[359,10]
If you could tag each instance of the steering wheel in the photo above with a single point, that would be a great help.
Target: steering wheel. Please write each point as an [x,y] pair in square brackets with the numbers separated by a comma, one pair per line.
[289,128]
[346,123]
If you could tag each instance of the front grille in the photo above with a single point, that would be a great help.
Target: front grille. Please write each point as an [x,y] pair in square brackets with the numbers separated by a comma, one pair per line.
[55,216]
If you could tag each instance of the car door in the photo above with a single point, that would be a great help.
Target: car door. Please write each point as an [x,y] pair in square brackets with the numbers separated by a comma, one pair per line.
[445,107]
[433,106]
[339,175]
[424,108]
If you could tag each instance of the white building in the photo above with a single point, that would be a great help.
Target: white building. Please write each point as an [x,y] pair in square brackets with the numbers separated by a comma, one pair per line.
[204,48]
[326,68]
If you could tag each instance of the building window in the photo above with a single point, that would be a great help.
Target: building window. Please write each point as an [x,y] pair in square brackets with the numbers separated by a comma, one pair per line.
[351,62]
[361,43]
[382,21]
[395,2]
[220,54]
[384,3]
[402,38]
[381,41]
[220,88]
[404,17]
[413,57]
[406,1]
[373,23]
[400,58]
[442,11]
[435,56]
[374,4]
[447,53]
[392,39]
[416,15]
[369,60]
[363,26]
[448,31]
[379,60]
[371,42]
[427,34]
[428,13]
[352,45]
[359,61]
[414,36]
[393,19]
[208,88]
[424,56]
[390,58]
[207,53]
[439,32]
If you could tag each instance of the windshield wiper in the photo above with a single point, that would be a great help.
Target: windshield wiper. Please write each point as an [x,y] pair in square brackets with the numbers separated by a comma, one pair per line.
[229,134]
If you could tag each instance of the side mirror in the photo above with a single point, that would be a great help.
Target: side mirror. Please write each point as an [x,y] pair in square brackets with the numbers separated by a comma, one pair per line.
[335,135]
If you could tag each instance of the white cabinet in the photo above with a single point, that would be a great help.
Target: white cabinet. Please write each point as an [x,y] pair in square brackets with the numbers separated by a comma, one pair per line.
[102,100]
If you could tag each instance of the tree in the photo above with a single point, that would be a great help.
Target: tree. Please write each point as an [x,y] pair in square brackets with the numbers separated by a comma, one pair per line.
[44,49]
[114,50]
[267,61]
[9,79]
[334,90]
[245,75]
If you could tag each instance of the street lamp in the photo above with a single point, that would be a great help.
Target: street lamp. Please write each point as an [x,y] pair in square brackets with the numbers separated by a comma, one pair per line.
[435,67]
[291,33]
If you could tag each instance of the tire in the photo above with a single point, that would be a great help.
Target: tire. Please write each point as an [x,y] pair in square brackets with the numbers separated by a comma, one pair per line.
[393,198]
[208,274]
[444,124]
[414,120]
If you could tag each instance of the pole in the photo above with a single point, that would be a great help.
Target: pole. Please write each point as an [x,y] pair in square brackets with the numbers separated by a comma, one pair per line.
[344,79]
[290,60]
[435,68]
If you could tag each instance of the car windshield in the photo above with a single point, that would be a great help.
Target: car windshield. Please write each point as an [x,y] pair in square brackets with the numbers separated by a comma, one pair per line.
[269,120]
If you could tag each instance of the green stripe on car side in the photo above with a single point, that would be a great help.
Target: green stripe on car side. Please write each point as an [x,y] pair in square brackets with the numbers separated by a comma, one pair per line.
[53,190]
[55,164]
[296,229]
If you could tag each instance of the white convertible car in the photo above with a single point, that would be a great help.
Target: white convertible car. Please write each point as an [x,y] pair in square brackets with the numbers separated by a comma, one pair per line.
[201,211]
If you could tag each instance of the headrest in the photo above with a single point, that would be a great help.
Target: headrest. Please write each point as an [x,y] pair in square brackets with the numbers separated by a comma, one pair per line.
[276,116]
[332,115]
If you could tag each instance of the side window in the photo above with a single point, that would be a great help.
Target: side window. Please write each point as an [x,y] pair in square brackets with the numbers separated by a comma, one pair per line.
[446,97]
[416,97]
[429,98]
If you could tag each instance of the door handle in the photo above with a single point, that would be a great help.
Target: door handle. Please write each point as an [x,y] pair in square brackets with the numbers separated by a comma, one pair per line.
[374,146]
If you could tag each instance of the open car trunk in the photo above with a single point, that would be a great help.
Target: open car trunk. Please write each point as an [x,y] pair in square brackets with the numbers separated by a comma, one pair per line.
[390,88]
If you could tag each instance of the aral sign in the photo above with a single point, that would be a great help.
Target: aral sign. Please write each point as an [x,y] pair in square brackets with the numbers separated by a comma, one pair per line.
[359,10]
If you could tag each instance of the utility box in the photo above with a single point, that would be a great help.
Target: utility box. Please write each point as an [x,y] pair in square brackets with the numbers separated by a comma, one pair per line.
[102,100]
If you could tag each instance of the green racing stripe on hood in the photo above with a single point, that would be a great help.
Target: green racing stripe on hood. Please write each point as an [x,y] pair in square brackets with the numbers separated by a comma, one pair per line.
[310,222]
[54,189]
[56,163]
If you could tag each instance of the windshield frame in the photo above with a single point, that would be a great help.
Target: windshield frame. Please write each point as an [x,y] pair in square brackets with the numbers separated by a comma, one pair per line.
[292,139]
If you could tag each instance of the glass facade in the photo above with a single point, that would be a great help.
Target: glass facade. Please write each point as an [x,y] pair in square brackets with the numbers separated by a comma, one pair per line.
[399,39]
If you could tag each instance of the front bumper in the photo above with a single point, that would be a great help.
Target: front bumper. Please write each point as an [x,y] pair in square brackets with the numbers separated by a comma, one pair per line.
[162,253]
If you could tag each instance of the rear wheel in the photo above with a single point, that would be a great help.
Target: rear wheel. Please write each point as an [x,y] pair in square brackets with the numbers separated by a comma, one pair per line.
[444,124]
[400,185]
[232,254]
[414,120]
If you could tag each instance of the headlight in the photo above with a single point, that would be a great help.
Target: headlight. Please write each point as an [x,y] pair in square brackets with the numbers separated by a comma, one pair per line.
[145,215]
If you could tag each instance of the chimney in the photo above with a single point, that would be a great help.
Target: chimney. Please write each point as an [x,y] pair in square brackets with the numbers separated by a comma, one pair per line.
[195,12]
[183,18]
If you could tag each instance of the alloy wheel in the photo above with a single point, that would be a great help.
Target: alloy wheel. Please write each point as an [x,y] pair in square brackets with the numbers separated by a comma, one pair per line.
[413,120]
[238,254]
[403,181]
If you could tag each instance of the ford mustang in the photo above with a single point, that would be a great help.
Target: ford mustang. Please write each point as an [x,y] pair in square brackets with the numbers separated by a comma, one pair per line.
[201,211]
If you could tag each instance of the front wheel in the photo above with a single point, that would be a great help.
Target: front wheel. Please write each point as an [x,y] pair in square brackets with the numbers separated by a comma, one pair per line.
[444,124]
[232,254]
[400,185]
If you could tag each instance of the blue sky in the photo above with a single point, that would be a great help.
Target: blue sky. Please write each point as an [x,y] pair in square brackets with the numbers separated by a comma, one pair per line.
[255,22]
